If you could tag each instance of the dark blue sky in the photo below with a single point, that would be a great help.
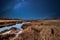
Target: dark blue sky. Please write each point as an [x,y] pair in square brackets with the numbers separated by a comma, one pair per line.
[30,9]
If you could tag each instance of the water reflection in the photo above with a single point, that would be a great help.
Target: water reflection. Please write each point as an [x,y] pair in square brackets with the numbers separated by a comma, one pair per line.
[16,26]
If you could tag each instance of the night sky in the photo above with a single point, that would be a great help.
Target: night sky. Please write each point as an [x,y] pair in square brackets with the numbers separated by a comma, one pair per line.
[30,9]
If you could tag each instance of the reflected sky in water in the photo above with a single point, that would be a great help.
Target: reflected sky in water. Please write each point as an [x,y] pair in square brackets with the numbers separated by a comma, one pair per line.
[16,26]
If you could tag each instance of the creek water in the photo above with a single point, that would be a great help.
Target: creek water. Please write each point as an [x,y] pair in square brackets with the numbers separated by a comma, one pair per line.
[9,27]
[16,26]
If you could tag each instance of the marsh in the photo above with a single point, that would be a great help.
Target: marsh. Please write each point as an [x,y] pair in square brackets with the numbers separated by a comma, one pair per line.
[18,26]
